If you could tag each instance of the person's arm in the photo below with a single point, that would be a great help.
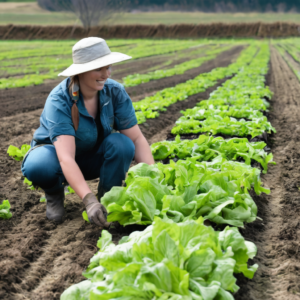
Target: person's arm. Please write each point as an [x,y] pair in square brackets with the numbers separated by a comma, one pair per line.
[65,150]
[142,149]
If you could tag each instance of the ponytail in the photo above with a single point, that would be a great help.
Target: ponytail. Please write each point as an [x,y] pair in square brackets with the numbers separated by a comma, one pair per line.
[74,93]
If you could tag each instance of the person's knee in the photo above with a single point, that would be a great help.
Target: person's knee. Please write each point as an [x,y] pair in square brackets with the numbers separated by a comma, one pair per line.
[41,166]
[120,145]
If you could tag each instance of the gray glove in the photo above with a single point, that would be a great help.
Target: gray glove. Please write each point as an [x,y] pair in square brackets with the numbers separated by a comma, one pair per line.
[96,211]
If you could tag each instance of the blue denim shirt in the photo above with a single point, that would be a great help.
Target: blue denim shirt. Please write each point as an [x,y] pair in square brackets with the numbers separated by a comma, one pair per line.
[116,112]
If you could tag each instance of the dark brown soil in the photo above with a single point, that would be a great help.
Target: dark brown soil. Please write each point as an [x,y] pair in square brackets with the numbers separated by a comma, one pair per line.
[19,100]
[222,60]
[216,30]
[277,236]
[39,259]
[168,118]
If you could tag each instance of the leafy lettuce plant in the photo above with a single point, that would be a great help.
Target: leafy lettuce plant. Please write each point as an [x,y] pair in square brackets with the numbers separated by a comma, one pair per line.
[180,92]
[197,113]
[5,210]
[234,108]
[136,79]
[181,261]
[16,153]
[206,148]
[225,125]
[69,191]
[29,183]
[217,191]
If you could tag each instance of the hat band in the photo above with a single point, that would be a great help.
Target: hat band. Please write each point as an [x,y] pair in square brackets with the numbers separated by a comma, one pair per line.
[85,55]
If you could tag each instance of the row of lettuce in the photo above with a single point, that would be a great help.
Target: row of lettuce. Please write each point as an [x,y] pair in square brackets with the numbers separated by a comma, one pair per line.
[209,54]
[150,106]
[290,53]
[205,182]
[22,65]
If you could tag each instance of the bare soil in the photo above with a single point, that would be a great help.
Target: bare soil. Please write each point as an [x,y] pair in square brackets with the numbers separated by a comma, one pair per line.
[19,100]
[39,259]
[216,30]
[277,236]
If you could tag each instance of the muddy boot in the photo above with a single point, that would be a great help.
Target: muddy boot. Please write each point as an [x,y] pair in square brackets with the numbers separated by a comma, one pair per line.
[55,206]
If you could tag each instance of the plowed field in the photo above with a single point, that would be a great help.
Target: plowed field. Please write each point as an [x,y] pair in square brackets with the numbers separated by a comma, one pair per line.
[40,259]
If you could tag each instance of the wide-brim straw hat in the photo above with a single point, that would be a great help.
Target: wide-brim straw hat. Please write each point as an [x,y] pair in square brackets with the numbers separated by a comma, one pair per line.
[92,53]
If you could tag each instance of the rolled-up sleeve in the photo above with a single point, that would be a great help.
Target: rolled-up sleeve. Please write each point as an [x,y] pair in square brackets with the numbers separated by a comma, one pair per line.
[58,116]
[125,117]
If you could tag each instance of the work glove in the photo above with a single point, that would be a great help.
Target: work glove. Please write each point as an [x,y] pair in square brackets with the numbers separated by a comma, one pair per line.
[96,211]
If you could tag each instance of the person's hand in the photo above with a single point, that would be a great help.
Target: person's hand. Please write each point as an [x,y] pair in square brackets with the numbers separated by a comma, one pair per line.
[96,211]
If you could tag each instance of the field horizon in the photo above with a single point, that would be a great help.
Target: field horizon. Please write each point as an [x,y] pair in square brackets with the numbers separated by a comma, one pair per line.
[29,13]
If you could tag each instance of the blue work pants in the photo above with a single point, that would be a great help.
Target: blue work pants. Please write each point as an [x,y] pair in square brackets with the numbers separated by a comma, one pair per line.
[110,163]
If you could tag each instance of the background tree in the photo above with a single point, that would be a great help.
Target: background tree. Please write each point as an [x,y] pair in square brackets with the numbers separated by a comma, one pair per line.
[90,12]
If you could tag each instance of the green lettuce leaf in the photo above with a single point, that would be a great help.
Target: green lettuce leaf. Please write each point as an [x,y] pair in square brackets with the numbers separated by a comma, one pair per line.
[5,210]
[16,153]
[165,261]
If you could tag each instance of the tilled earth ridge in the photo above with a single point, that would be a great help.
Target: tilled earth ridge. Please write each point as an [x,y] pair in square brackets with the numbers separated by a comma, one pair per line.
[277,236]
[39,259]
[19,100]
[222,60]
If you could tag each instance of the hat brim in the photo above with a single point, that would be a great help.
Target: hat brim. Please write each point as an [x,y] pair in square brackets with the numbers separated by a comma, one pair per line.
[112,58]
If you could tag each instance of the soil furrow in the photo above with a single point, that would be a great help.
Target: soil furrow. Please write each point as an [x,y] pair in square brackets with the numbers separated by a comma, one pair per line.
[277,236]
[169,117]
[27,99]
[38,259]
[222,60]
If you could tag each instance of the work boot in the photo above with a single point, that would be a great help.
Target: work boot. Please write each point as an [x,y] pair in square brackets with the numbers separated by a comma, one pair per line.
[55,206]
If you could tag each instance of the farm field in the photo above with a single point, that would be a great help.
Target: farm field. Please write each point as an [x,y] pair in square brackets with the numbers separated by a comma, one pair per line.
[217,114]
[30,13]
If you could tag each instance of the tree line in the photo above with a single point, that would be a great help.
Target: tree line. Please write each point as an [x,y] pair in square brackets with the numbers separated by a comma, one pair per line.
[90,12]
[223,5]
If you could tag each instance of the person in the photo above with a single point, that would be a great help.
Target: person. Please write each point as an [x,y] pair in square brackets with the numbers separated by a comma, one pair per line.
[88,129]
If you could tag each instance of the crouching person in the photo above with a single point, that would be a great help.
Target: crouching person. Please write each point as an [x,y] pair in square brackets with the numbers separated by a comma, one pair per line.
[76,141]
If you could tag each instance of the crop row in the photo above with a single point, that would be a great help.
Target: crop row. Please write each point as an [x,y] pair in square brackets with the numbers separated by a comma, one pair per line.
[237,113]
[149,107]
[293,61]
[37,65]
[178,256]
[140,48]
[136,79]
[207,148]
[52,68]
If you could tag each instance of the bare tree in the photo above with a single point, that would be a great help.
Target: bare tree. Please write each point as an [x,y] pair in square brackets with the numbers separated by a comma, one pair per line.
[90,12]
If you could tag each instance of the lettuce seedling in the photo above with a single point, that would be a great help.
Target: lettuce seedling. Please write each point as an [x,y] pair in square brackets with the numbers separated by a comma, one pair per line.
[5,210]
[16,153]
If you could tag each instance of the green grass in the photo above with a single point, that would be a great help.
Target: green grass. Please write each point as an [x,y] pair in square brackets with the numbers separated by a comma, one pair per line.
[199,17]
[38,19]
[33,15]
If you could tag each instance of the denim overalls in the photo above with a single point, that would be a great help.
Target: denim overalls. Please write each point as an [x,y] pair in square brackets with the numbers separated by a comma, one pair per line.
[110,162]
